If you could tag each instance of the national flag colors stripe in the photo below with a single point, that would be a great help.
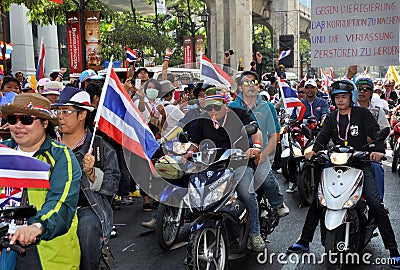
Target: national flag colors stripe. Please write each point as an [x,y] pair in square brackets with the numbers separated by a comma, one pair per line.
[211,73]
[19,170]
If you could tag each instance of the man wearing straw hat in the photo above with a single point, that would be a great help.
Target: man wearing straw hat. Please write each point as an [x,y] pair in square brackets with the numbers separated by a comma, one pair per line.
[100,178]
[31,125]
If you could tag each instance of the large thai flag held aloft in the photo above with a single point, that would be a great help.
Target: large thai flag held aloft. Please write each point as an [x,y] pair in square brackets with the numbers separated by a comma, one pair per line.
[283,54]
[19,170]
[131,55]
[291,101]
[211,73]
[119,118]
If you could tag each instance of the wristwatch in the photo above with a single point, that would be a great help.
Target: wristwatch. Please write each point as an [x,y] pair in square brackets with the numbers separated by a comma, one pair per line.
[38,225]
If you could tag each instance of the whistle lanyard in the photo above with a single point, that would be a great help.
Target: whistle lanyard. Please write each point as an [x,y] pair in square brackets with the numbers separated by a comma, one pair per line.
[347,128]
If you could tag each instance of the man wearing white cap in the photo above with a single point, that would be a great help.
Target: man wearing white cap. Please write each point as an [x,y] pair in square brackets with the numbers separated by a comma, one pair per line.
[315,106]
[52,91]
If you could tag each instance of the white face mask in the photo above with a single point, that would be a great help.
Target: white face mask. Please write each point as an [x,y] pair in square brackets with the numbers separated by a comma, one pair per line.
[151,93]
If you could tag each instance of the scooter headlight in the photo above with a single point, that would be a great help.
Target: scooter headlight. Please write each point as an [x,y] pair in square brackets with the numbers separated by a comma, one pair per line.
[339,158]
[297,151]
[216,194]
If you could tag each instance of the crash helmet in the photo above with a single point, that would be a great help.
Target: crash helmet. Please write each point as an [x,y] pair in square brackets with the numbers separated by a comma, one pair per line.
[168,168]
[365,81]
[344,86]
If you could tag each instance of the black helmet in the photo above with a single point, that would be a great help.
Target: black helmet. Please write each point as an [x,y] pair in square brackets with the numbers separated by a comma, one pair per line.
[343,86]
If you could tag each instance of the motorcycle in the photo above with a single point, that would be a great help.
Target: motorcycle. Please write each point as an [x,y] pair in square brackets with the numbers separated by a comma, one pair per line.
[221,230]
[348,227]
[172,212]
[11,219]
[295,167]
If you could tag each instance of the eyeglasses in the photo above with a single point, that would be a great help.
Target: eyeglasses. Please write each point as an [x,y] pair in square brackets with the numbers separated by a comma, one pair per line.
[301,92]
[365,89]
[214,107]
[248,83]
[387,85]
[25,119]
[64,113]
[309,87]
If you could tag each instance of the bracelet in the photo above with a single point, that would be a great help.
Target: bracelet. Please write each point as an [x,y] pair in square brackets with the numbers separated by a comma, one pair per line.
[60,75]
[167,58]
[257,145]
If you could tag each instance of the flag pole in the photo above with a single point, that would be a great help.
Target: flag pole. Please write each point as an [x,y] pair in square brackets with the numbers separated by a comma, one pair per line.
[101,102]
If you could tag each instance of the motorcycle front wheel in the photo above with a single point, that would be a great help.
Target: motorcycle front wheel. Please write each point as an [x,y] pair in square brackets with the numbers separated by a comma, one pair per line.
[168,225]
[395,160]
[202,251]
[334,245]
[306,185]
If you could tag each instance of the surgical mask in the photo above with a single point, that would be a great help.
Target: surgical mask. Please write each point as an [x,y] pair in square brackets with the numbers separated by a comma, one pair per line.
[151,93]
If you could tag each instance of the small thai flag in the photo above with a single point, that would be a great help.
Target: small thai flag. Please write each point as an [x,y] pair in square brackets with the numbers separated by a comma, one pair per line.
[40,66]
[211,73]
[283,54]
[131,55]
[291,101]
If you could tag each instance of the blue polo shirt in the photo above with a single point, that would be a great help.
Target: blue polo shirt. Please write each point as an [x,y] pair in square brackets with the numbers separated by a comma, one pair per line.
[263,112]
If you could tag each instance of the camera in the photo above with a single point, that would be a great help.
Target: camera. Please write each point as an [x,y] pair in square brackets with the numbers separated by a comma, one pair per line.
[229,53]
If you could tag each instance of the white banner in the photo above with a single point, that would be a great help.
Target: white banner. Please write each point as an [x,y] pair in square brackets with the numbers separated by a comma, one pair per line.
[356,32]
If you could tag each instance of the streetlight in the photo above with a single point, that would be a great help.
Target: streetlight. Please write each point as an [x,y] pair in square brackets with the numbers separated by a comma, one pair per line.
[192,25]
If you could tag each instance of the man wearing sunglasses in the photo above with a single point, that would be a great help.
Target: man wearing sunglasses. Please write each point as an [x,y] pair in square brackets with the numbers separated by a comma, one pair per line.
[100,178]
[264,113]
[350,125]
[390,95]
[222,125]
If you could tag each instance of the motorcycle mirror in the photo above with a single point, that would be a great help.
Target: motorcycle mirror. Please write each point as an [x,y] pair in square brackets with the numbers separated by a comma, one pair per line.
[183,137]
[250,129]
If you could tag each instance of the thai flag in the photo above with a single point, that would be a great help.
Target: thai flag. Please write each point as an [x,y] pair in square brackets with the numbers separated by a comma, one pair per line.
[291,101]
[40,66]
[119,118]
[131,55]
[19,170]
[327,78]
[211,73]
[10,197]
[283,54]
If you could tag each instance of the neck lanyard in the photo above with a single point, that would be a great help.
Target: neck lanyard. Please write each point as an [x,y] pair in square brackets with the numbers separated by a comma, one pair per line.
[81,141]
[347,128]
[217,125]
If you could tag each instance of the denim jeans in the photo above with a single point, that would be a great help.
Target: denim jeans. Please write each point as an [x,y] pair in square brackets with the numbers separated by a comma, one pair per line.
[90,238]
[379,178]
[264,177]
[8,260]
[247,195]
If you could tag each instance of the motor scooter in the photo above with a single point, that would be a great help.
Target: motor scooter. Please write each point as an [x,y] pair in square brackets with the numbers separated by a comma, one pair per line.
[221,230]
[348,227]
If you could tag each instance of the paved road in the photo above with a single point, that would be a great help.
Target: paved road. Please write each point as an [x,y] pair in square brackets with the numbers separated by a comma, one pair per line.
[136,247]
